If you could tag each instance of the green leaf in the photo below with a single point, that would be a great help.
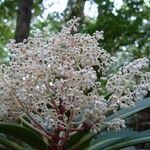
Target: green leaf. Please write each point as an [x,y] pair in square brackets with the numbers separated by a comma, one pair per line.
[108,138]
[124,113]
[23,134]
[9,144]
[114,140]
[131,139]
[75,139]
[86,138]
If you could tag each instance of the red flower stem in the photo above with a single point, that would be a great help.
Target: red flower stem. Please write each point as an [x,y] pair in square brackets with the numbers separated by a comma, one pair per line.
[50,89]
[58,138]
[71,129]
[56,147]
[68,129]
[55,106]
[35,122]
[40,126]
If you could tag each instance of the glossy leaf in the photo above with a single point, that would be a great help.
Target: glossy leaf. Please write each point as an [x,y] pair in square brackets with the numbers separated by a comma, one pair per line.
[9,144]
[75,139]
[108,138]
[86,138]
[23,134]
[131,139]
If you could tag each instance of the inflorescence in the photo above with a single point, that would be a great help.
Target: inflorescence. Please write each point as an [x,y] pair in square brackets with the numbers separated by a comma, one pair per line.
[53,80]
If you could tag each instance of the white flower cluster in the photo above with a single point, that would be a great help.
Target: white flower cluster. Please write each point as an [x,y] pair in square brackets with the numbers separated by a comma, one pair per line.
[115,124]
[130,84]
[53,79]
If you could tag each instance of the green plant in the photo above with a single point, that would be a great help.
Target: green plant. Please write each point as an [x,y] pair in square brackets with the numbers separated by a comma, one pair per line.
[58,88]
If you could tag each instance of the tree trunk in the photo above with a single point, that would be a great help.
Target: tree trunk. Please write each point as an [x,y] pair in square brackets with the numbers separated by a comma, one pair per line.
[23,20]
[75,8]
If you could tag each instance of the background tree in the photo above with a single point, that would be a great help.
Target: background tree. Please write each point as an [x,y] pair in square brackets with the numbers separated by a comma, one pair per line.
[23,19]
[123,28]
[75,8]
[8,24]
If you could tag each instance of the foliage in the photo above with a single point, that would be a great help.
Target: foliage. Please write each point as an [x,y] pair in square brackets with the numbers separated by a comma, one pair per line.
[125,28]
[23,134]
[8,13]
[52,23]
[107,140]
